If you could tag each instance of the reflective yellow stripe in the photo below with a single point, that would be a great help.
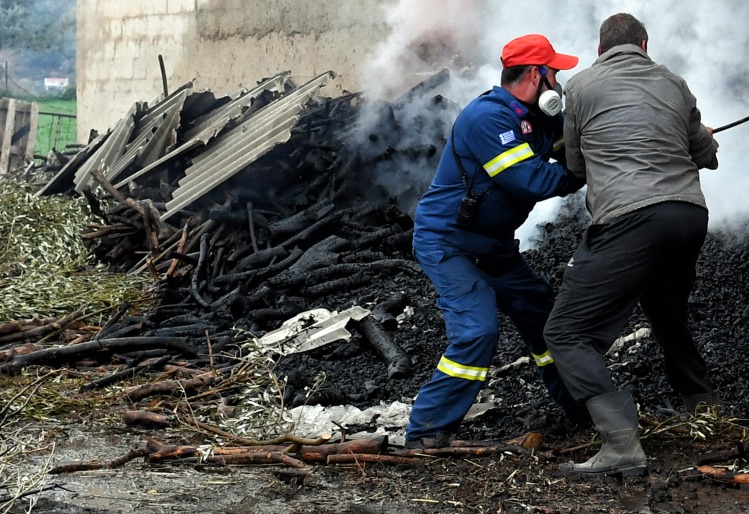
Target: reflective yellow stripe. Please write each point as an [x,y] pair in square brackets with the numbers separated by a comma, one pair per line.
[508,158]
[543,359]
[456,370]
[558,144]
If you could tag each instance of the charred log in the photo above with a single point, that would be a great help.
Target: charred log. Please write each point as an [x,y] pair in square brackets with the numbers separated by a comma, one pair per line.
[98,349]
[300,221]
[386,312]
[125,374]
[399,364]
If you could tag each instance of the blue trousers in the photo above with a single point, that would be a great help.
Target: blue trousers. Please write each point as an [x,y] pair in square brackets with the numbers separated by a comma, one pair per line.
[470,295]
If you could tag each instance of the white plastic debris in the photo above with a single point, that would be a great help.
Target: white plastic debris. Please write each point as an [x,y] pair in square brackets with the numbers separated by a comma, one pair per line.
[638,334]
[516,364]
[313,420]
[311,329]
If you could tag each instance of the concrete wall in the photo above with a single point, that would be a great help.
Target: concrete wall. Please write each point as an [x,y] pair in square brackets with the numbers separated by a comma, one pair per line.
[223,44]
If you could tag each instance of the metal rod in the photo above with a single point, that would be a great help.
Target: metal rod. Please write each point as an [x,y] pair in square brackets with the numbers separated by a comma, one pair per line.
[163,76]
[60,114]
[729,125]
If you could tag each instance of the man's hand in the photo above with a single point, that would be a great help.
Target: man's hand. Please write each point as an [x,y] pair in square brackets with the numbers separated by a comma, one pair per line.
[709,131]
[575,183]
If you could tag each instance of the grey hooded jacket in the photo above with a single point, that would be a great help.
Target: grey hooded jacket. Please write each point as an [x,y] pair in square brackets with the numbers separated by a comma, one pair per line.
[633,131]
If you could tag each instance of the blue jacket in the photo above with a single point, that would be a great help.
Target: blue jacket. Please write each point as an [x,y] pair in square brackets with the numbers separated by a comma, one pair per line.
[506,148]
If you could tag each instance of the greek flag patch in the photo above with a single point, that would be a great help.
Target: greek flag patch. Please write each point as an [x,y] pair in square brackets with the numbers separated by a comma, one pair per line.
[507,137]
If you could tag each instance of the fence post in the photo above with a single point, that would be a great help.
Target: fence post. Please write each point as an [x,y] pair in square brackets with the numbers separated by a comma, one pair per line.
[18,128]
[10,122]
[33,127]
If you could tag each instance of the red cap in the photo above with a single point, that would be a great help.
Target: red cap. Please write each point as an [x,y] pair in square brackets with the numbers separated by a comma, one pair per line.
[535,49]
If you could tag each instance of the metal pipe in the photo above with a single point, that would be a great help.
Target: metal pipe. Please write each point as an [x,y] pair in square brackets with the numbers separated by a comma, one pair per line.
[729,125]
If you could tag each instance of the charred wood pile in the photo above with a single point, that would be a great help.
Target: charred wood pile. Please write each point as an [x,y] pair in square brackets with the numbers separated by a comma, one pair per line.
[277,216]
[247,211]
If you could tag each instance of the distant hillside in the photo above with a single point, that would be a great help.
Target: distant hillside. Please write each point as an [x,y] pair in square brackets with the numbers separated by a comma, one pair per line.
[38,40]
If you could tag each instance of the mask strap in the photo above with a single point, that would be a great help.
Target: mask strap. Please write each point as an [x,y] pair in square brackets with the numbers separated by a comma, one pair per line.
[542,70]
[548,84]
[552,104]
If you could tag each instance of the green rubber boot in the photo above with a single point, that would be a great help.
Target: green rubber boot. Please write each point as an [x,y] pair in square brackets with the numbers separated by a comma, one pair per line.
[615,417]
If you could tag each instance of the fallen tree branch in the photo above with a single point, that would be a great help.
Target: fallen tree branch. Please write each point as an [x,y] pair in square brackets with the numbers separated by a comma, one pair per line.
[355,458]
[256,457]
[453,451]
[108,229]
[724,475]
[93,465]
[125,374]
[20,325]
[310,454]
[103,348]
[169,386]
[740,452]
[142,417]
[40,331]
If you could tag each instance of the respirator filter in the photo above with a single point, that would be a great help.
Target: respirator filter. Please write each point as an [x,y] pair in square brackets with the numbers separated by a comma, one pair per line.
[550,102]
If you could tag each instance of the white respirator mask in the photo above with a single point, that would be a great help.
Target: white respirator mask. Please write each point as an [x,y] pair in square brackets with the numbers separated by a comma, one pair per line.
[550,101]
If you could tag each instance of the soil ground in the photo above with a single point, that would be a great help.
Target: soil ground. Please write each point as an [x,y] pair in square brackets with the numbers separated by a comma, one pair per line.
[510,483]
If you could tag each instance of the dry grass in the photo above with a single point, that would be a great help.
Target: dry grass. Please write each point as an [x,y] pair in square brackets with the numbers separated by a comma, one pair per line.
[16,483]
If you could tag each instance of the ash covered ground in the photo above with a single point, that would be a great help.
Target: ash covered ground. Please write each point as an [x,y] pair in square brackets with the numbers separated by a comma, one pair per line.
[719,316]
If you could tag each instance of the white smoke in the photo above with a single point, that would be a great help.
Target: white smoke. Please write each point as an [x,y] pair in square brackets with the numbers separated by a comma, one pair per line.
[703,41]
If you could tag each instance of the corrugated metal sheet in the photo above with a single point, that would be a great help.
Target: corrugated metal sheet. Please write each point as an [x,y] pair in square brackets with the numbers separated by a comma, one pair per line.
[103,158]
[112,149]
[244,144]
[63,179]
[211,124]
[149,137]
[207,128]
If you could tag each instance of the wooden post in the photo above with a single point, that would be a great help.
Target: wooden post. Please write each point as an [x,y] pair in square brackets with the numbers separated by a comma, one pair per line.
[33,126]
[10,121]
[18,128]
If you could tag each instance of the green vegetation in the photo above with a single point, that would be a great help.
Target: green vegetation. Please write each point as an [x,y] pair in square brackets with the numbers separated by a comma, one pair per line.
[45,269]
[38,40]
[55,131]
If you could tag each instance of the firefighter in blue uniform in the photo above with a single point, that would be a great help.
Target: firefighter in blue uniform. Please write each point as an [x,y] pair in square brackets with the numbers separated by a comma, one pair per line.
[495,167]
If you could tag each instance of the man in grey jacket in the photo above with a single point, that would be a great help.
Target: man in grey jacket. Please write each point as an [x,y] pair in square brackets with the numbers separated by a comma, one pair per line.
[633,131]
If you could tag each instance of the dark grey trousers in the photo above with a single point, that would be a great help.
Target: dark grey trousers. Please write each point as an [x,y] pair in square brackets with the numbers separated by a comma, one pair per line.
[649,256]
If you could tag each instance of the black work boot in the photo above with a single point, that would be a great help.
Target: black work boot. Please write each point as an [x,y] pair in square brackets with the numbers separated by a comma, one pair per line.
[436,441]
[615,417]
[701,402]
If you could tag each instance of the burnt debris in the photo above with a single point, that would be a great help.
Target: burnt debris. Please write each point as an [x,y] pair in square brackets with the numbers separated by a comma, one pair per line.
[249,210]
